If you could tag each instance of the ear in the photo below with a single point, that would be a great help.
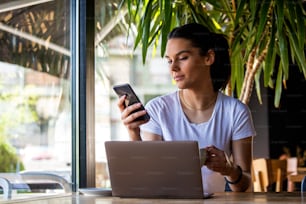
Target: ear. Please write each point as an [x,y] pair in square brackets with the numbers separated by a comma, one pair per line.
[210,57]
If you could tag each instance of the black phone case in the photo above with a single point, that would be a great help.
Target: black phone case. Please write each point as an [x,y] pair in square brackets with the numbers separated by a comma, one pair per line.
[126,89]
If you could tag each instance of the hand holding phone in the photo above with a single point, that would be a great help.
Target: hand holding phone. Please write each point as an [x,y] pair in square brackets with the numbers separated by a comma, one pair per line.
[131,98]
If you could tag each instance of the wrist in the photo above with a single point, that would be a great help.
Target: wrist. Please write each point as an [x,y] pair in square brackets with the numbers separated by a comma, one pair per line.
[236,178]
[134,135]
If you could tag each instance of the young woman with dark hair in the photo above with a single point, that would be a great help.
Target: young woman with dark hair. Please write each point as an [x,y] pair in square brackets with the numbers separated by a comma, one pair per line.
[200,65]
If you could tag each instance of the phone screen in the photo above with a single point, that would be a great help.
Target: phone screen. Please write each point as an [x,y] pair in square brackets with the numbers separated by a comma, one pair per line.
[131,98]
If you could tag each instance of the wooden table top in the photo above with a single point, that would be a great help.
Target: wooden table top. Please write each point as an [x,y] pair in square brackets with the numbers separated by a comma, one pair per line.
[301,169]
[296,177]
[228,198]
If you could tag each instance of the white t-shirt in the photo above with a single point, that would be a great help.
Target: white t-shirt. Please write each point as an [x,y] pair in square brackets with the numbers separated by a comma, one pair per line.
[230,120]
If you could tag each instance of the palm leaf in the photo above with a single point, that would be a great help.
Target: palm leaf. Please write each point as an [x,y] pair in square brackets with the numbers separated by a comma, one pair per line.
[262,23]
[278,86]
[166,26]
[300,24]
[257,85]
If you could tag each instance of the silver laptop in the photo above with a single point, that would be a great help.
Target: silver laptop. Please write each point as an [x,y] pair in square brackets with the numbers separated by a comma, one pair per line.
[154,169]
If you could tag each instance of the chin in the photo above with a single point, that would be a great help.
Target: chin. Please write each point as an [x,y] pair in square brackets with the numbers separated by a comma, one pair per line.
[180,86]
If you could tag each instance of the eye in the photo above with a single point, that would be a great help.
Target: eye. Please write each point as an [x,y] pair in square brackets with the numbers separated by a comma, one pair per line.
[169,61]
[183,58]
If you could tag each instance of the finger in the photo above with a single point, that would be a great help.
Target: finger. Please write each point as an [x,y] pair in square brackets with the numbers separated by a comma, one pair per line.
[133,116]
[213,153]
[130,110]
[213,150]
[130,121]
[121,103]
[134,124]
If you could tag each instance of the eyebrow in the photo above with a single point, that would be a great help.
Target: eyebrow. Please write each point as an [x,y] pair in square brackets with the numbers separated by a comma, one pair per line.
[180,52]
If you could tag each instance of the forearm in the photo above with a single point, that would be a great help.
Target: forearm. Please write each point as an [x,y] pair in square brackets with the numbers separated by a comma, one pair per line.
[242,156]
[134,135]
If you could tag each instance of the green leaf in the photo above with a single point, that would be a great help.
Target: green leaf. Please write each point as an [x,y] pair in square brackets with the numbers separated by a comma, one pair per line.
[240,11]
[166,27]
[237,75]
[216,4]
[268,70]
[299,54]
[227,9]
[283,50]
[254,13]
[146,30]
[242,37]
[257,85]
[193,10]
[290,13]
[154,33]
[278,86]
[280,14]
[199,15]
[270,57]
[262,20]
[300,25]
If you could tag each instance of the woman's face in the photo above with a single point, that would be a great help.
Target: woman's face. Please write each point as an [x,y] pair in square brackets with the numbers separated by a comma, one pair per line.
[187,67]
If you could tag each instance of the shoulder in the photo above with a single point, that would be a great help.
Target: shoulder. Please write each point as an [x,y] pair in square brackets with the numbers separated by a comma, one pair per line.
[238,116]
[232,107]
[231,102]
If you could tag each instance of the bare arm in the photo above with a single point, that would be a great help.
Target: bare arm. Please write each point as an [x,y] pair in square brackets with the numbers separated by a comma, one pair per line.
[150,136]
[242,156]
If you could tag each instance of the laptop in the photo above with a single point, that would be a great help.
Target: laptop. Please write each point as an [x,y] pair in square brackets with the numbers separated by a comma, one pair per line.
[154,169]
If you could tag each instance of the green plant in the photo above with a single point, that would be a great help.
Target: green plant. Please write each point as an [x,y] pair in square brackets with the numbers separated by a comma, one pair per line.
[265,37]
[22,110]
[9,160]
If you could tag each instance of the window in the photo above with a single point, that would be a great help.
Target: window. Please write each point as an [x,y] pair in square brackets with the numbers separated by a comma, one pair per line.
[35,86]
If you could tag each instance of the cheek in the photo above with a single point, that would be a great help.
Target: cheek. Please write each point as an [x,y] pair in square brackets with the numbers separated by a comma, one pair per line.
[199,66]
[193,67]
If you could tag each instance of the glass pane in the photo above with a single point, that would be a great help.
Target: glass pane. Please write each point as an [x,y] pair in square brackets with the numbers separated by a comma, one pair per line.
[117,62]
[35,110]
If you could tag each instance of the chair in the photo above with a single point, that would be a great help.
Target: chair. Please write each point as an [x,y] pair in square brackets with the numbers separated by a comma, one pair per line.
[269,174]
[292,166]
[46,178]
[29,181]
[6,188]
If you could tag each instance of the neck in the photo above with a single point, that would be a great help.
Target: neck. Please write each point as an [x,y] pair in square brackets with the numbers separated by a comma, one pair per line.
[198,103]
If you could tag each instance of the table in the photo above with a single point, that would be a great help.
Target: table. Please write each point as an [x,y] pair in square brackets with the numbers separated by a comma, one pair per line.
[222,198]
[296,177]
[301,169]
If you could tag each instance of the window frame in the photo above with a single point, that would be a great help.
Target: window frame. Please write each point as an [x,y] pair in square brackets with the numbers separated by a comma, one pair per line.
[82,96]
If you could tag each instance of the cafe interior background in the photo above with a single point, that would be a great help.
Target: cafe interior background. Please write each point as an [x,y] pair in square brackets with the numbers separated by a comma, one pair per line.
[58,63]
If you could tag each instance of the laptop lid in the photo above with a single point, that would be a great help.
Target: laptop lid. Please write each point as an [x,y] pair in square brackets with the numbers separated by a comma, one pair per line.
[154,169]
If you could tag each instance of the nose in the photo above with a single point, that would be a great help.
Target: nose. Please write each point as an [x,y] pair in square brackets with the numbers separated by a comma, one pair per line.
[174,66]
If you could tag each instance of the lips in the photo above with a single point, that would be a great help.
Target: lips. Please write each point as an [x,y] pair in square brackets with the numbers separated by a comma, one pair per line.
[178,77]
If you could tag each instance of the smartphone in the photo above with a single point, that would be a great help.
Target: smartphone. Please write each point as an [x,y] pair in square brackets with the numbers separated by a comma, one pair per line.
[126,89]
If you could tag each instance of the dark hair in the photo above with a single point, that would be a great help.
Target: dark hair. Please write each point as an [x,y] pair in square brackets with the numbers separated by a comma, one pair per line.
[202,38]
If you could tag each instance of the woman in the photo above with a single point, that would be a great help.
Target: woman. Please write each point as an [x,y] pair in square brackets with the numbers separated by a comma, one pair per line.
[200,65]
